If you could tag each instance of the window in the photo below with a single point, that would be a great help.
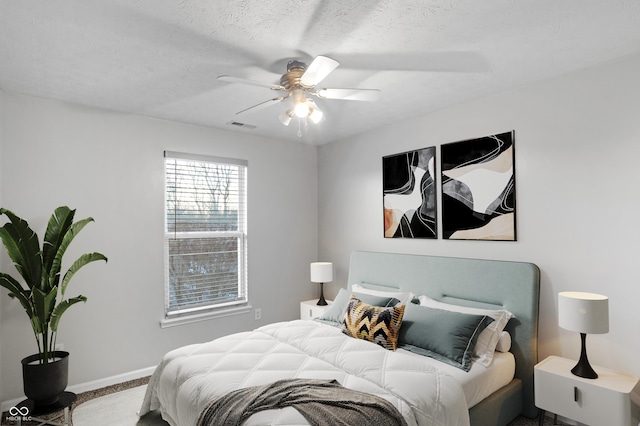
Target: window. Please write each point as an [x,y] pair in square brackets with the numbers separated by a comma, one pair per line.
[205,234]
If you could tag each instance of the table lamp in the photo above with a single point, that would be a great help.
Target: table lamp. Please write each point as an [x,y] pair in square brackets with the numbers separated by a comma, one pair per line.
[321,272]
[585,313]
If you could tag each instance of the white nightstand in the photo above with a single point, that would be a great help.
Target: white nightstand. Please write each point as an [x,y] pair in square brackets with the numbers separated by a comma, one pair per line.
[610,400]
[309,309]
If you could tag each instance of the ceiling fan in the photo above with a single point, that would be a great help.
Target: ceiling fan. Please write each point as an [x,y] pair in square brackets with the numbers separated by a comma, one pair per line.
[300,81]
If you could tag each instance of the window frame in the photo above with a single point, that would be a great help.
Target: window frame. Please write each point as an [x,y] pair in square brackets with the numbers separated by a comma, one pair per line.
[184,315]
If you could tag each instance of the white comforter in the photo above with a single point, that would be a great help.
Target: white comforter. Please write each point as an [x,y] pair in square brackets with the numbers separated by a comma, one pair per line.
[188,378]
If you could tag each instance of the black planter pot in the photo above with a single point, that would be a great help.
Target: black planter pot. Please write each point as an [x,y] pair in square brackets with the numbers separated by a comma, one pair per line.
[44,383]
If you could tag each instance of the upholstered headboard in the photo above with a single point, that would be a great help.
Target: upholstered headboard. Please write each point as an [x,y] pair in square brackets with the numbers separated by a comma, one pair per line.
[514,286]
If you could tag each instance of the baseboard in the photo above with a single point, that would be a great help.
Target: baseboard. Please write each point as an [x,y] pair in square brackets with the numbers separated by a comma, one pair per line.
[92,385]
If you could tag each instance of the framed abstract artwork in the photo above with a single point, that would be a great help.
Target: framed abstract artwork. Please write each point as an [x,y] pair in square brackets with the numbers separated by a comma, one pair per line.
[409,194]
[478,189]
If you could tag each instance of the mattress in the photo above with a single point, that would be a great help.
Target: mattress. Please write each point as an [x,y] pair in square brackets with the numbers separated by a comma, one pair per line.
[480,382]
[189,378]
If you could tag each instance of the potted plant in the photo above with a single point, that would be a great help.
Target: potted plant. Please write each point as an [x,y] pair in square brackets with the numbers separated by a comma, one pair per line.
[43,298]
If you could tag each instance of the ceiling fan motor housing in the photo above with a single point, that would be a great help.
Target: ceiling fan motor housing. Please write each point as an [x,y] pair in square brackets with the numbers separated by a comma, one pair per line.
[295,69]
[294,63]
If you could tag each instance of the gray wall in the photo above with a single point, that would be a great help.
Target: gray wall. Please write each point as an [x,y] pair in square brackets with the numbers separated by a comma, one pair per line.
[577,143]
[110,166]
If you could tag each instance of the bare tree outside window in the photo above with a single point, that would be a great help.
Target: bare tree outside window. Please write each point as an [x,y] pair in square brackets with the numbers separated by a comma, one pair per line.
[205,234]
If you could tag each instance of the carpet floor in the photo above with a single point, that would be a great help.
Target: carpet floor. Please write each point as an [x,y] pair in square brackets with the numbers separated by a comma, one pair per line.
[117,406]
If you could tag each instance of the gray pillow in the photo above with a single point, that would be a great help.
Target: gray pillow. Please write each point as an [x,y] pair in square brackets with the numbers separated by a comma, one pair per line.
[447,336]
[335,313]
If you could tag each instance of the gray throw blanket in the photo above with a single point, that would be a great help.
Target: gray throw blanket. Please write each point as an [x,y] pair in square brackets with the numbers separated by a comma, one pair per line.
[321,402]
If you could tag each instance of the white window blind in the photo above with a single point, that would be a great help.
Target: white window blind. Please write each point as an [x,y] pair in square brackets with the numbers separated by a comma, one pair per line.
[206,235]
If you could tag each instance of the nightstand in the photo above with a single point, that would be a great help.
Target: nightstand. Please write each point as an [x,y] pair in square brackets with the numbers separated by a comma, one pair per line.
[309,309]
[613,399]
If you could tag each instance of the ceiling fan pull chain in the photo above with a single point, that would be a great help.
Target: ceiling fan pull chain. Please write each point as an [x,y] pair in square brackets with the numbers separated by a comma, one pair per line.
[299,130]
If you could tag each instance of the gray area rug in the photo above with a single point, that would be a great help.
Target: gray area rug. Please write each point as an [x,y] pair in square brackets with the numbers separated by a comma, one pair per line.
[117,406]
[58,416]
[120,409]
[116,409]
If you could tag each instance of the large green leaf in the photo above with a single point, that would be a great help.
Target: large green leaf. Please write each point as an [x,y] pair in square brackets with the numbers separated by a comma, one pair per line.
[69,235]
[23,247]
[37,327]
[79,263]
[17,291]
[43,305]
[61,309]
[59,223]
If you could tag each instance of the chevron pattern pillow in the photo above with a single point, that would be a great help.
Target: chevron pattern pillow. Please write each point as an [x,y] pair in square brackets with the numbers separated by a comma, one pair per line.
[380,325]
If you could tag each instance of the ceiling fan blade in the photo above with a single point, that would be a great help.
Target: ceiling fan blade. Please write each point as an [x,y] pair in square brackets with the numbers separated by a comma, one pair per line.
[230,79]
[318,70]
[263,104]
[349,94]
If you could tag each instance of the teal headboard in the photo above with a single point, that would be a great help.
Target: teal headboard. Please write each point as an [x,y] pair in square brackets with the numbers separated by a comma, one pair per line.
[514,286]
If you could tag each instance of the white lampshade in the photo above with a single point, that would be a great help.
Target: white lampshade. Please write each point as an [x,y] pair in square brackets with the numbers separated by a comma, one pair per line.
[583,312]
[321,272]
[316,114]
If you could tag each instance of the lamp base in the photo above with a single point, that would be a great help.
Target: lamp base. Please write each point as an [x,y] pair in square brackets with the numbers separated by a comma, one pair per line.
[583,368]
[321,302]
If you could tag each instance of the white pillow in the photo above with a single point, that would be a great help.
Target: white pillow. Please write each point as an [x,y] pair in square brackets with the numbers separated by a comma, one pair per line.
[488,339]
[403,296]
[504,343]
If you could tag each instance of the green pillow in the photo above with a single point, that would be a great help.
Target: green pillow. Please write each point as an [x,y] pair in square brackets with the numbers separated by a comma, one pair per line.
[335,313]
[447,336]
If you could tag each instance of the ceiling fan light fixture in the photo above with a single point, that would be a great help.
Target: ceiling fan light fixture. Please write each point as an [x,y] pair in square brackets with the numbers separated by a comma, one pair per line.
[315,115]
[299,82]
[285,117]
[301,109]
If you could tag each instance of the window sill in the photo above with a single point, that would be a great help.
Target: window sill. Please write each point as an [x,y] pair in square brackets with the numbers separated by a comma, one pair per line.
[218,313]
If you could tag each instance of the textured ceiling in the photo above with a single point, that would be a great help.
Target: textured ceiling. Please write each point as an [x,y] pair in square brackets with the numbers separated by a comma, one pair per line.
[160,58]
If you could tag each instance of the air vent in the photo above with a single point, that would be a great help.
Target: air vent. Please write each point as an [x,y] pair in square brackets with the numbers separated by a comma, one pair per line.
[243,125]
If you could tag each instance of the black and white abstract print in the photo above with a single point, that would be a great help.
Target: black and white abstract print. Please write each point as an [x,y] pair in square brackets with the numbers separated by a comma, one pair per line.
[478,189]
[409,194]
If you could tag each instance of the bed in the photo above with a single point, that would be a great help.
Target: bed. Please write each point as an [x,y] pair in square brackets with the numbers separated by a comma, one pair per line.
[422,390]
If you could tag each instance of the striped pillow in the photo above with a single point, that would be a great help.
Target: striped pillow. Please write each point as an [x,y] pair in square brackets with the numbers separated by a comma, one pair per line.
[380,325]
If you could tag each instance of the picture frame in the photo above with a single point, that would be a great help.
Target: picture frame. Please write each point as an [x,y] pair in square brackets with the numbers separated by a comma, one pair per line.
[409,194]
[478,188]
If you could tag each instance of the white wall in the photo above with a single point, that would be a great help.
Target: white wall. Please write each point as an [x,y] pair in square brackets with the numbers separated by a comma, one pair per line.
[577,142]
[110,166]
